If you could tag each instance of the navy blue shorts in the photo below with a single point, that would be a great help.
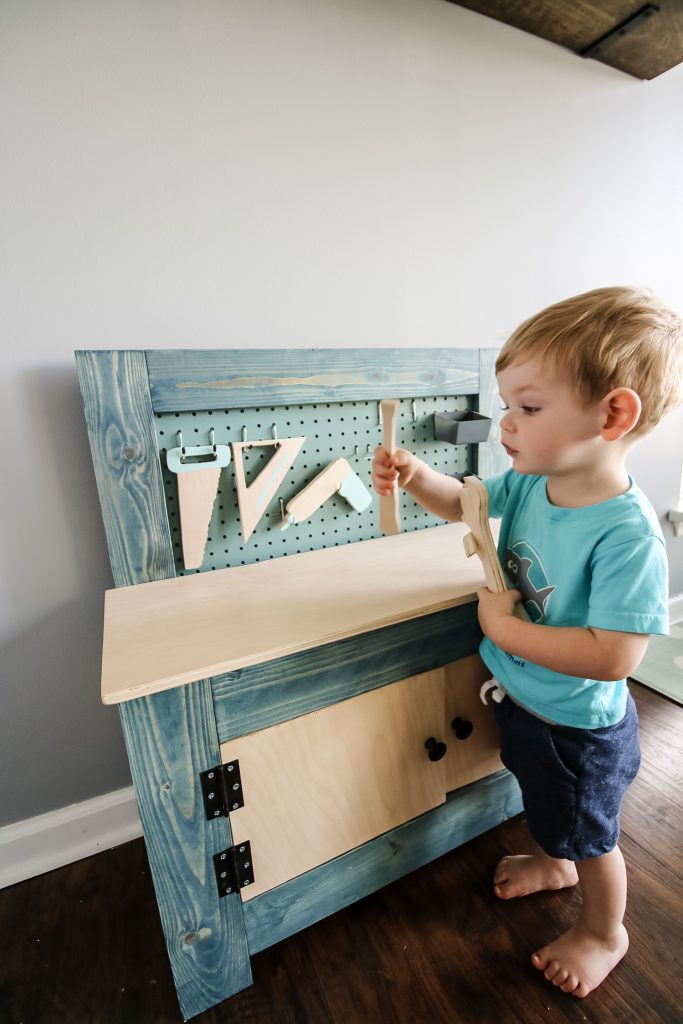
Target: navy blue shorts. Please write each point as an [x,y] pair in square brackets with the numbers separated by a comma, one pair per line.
[572,780]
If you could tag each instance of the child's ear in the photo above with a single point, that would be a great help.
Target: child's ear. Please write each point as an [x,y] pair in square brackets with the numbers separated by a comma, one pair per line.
[621,409]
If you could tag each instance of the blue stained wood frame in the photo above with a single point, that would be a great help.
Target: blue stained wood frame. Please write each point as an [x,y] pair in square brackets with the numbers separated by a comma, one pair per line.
[170,738]
[296,904]
[193,379]
[120,423]
[276,691]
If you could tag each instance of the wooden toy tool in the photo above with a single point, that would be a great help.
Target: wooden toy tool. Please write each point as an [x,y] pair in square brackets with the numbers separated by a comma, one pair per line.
[336,478]
[474,500]
[389,516]
[253,499]
[198,469]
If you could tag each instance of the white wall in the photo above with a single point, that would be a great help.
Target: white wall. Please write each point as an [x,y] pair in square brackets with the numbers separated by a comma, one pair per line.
[276,173]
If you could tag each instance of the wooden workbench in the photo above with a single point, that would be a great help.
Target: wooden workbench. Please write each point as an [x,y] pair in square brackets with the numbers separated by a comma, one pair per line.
[301,730]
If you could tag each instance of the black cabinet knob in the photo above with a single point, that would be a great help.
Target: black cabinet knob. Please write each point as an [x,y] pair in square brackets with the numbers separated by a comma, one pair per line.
[462,728]
[436,749]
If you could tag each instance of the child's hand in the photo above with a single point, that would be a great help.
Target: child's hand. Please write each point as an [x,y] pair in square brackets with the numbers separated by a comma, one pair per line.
[495,609]
[388,470]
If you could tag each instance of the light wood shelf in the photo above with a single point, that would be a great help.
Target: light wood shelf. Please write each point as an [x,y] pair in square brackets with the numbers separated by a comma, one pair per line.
[164,634]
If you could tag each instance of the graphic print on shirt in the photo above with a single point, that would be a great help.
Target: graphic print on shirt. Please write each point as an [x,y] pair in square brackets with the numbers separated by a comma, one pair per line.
[526,573]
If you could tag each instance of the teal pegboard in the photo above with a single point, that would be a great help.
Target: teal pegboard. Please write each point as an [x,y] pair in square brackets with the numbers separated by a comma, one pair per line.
[332,430]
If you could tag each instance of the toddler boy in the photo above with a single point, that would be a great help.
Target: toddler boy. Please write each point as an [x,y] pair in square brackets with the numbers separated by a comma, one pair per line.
[581,382]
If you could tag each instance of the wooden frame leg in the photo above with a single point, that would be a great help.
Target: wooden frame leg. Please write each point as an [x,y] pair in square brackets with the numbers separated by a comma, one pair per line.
[171,737]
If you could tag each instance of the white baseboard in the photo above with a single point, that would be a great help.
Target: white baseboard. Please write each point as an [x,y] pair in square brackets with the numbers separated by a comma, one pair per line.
[676,608]
[32,847]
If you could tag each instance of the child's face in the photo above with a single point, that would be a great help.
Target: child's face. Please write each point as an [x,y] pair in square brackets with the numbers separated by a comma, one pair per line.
[545,429]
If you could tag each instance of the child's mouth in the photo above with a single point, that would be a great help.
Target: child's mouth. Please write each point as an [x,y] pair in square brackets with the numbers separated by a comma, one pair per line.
[510,451]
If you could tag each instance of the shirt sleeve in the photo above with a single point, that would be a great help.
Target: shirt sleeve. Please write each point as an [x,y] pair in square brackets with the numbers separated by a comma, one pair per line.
[499,488]
[630,587]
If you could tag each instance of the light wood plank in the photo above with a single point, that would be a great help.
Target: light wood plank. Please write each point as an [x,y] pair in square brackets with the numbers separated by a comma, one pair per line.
[243,378]
[324,783]
[477,755]
[164,634]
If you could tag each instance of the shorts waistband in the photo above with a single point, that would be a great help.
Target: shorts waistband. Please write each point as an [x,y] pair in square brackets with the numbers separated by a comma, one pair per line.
[499,693]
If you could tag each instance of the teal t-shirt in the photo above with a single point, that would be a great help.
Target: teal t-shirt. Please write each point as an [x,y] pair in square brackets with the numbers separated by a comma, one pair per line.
[601,565]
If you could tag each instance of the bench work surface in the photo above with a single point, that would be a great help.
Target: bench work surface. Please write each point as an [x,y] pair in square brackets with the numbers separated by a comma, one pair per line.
[170,632]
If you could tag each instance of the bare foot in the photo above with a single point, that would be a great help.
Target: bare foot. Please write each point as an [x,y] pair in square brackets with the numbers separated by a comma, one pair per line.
[533,872]
[579,960]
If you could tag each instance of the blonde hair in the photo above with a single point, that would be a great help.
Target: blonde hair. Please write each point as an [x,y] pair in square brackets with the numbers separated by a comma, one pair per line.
[606,339]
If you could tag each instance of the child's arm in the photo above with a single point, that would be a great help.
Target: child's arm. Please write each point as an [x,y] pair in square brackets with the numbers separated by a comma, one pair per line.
[435,491]
[587,653]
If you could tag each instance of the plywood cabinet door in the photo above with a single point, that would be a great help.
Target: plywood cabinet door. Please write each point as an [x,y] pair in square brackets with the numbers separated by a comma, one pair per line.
[322,784]
[474,746]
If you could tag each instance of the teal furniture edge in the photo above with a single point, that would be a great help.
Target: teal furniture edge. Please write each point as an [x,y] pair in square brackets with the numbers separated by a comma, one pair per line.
[119,419]
[296,904]
[182,379]
[170,738]
[276,691]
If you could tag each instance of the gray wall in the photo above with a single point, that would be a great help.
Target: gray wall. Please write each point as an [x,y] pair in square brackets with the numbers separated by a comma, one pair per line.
[276,173]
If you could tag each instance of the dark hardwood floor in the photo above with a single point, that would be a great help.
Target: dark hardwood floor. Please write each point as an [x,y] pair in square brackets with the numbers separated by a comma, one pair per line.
[83,944]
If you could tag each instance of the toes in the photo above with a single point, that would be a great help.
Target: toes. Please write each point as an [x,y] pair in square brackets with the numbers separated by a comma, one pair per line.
[561,977]
[540,960]
[581,990]
[501,873]
[551,970]
[570,983]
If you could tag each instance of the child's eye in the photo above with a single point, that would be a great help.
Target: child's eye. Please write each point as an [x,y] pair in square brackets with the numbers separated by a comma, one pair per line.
[529,410]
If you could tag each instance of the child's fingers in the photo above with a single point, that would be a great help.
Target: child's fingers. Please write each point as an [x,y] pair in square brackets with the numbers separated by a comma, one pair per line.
[384,475]
[404,462]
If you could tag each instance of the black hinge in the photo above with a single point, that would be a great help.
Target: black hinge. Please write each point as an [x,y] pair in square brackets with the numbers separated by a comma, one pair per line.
[222,789]
[233,868]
